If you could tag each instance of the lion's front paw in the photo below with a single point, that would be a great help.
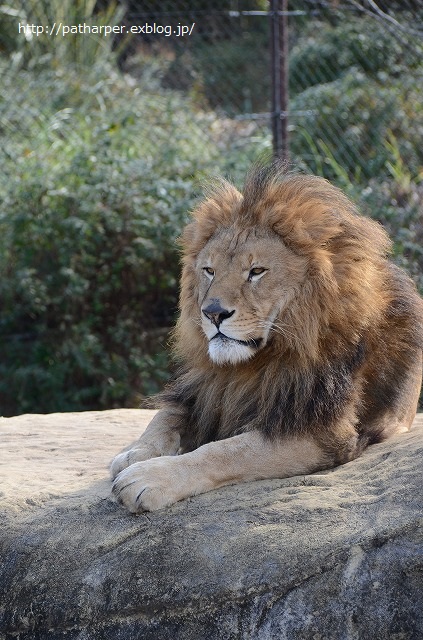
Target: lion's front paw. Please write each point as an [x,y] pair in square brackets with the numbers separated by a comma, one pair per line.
[150,485]
[128,458]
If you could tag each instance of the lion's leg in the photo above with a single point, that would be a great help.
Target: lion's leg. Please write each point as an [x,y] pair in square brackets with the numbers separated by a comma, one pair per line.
[408,400]
[398,418]
[157,483]
[161,438]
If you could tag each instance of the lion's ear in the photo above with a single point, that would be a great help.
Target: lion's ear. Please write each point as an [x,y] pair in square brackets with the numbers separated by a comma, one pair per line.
[308,227]
[305,210]
[322,226]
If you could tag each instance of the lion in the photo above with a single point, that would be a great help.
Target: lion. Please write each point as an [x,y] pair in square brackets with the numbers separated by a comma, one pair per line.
[299,343]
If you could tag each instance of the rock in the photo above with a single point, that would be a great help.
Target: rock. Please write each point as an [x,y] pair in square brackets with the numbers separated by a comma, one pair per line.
[335,555]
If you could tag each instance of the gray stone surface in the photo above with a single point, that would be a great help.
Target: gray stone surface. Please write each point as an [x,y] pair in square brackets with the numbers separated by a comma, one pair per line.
[336,555]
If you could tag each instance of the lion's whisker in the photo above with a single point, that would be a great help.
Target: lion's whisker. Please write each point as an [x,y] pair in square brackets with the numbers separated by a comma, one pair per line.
[277,328]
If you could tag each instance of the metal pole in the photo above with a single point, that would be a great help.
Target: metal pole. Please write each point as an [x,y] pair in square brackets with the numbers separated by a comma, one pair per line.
[279,70]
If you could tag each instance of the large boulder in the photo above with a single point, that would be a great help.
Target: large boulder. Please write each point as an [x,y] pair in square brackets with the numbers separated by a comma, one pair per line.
[335,555]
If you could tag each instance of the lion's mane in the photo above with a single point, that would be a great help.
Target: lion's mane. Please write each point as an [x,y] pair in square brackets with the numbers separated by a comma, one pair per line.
[354,327]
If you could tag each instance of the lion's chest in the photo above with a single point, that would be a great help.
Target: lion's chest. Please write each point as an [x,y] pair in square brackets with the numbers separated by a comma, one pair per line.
[222,408]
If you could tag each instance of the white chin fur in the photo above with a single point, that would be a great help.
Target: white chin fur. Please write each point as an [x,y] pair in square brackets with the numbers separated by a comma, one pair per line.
[229,352]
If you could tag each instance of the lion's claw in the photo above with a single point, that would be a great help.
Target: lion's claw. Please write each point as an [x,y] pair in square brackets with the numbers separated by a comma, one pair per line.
[148,485]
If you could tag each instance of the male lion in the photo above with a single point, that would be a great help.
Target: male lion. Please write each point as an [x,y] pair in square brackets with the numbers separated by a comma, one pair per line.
[300,343]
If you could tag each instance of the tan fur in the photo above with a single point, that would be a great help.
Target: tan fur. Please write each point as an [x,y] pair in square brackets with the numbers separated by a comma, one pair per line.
[299,343]
[341,251]
[159,482]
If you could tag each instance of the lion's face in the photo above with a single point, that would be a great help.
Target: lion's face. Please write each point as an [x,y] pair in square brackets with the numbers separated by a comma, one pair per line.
[246,280]
[288,267]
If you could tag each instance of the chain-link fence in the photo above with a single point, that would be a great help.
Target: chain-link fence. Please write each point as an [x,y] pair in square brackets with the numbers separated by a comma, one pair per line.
[337,83]
[343,78]
[111,115]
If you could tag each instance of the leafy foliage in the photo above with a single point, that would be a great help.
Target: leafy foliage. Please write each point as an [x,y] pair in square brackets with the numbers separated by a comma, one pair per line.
[354,85]
[99,171]
[325,51]
[51,45]
[216,75]
[358,144]
[93,195]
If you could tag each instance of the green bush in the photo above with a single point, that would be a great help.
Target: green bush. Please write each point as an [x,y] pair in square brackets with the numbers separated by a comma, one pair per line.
[99,171]
[346,123]
[325,51]
[51,44]
[97,177]
[233,74]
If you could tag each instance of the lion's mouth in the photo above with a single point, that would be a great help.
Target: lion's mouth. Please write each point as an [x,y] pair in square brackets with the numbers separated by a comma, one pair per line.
[254,343]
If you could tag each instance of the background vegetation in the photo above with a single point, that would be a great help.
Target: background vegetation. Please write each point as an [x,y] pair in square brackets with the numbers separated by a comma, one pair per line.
[100,167]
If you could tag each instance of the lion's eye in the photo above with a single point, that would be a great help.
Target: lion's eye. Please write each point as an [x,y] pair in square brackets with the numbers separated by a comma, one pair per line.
[256,273]
[209,272]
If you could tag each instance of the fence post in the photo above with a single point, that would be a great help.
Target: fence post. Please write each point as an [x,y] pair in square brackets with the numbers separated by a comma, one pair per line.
[279,72]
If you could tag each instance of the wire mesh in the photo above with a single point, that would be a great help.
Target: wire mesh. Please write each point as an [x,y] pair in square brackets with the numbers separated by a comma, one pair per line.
[341,57]
[354,73]
[100,168]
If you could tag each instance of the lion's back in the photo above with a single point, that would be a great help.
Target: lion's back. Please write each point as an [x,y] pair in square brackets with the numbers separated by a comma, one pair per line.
[393,366]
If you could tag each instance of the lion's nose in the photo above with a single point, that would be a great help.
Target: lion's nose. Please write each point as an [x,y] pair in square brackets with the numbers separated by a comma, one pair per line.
[216,314]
